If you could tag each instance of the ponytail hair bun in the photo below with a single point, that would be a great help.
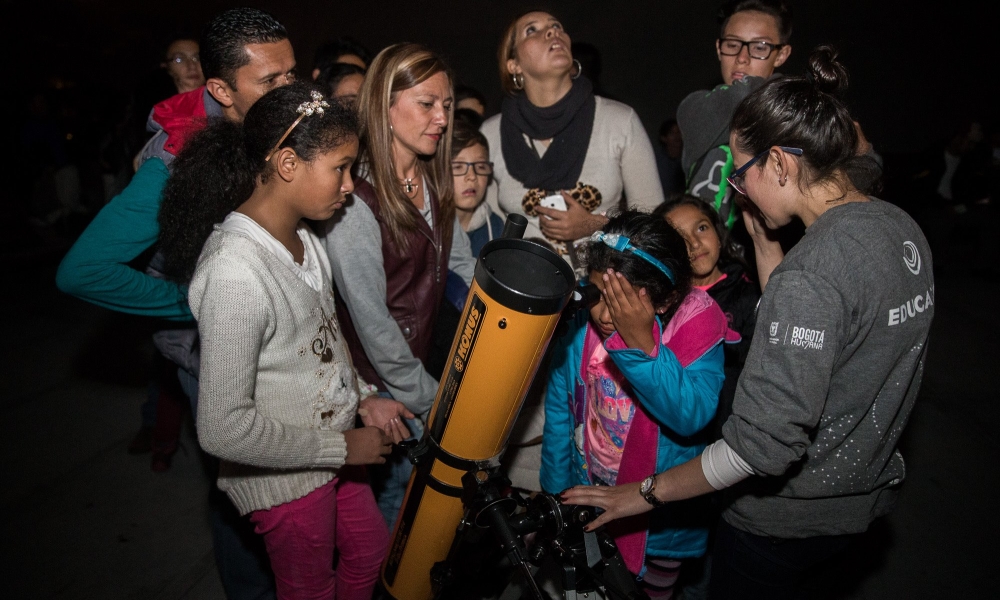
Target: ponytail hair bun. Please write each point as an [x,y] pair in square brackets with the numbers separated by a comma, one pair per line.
[808,112]
[825,72]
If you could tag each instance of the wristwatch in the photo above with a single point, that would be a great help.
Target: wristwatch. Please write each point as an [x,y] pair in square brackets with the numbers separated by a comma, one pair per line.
[646,489]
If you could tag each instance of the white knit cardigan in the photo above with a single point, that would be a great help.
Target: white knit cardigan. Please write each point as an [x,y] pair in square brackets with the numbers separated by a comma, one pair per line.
[277,386]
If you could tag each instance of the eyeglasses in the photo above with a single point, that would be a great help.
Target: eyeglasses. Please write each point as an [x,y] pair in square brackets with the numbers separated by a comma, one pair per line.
[180,58]
[736,179]
[757,49]
[479,168]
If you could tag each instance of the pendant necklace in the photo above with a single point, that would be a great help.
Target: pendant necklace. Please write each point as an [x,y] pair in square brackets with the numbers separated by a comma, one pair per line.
[409,186]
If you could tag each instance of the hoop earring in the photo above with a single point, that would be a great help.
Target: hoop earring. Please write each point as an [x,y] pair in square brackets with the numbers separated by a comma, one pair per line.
[518,80]
[579,69]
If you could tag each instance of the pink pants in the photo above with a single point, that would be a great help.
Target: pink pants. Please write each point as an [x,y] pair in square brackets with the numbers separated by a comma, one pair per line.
[301,536]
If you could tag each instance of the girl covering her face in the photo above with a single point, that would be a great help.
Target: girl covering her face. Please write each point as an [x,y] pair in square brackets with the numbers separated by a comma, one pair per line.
[632,385]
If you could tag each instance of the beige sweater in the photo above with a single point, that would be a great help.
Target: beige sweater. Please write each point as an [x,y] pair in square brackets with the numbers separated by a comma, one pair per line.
[277,386]
[619,162]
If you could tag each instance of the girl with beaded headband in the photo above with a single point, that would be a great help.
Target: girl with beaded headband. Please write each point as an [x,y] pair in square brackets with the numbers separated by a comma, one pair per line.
[391,275]
[631,386]
[278,394]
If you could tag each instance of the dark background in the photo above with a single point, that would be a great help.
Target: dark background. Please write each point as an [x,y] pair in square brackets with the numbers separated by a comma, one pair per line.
[94,522]
[916,73]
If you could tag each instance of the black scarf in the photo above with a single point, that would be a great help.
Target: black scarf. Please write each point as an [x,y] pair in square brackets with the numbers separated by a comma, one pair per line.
[567,123]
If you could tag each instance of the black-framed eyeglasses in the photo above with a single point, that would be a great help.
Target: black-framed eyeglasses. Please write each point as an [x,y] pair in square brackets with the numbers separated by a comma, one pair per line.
[757,49]
[180,58]
[736,179]
[479,168]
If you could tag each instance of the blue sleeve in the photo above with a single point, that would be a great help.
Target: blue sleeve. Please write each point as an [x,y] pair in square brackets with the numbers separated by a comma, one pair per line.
[96,268]
[682,399]
[557,437]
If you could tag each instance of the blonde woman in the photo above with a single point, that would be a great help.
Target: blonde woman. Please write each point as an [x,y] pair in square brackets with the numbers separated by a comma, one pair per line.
[395,244]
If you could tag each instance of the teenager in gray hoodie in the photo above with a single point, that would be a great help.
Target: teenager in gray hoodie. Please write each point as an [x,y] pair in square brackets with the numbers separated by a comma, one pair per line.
[753,42]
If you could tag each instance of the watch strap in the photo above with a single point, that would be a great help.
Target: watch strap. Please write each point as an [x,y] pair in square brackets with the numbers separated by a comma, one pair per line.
[647,491]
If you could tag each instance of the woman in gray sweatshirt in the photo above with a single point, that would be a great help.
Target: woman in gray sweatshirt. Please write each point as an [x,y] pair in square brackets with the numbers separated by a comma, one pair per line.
[809,456]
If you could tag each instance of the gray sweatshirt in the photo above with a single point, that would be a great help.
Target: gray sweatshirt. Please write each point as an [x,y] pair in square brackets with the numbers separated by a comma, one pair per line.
[703,118]
[354,245]
[832,375]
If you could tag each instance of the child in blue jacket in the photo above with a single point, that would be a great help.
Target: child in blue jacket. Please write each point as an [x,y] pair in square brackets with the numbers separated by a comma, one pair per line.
[632,386]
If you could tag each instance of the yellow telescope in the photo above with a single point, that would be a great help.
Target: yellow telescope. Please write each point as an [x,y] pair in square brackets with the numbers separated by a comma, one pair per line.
[517,296]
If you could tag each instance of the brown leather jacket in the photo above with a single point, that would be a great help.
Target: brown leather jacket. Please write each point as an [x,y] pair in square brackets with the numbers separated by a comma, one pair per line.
[415,282]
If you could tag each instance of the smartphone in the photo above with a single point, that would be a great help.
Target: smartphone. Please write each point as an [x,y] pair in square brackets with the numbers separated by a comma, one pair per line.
[555,201]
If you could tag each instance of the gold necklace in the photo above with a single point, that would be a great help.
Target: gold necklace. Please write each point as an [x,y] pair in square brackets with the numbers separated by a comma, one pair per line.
[409,186]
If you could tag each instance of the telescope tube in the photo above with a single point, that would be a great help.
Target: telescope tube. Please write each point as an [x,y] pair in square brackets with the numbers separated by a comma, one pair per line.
[517,296]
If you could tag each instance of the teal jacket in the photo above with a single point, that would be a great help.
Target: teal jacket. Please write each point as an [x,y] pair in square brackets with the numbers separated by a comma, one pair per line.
[97,269]
[680,400]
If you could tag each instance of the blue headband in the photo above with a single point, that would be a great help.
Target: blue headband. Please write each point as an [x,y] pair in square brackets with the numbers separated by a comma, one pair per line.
[623,244]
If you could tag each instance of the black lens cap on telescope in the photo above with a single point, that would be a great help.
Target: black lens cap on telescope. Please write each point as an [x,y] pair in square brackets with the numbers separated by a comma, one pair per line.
[524,276]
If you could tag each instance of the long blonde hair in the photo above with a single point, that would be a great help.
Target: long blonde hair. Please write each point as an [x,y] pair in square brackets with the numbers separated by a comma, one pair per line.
[401,67]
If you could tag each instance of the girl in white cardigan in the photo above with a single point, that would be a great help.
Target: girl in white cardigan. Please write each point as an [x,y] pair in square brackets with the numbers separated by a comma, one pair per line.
[278,392]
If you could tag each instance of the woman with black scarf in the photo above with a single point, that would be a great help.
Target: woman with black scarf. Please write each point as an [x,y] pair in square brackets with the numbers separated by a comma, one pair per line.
[558,139]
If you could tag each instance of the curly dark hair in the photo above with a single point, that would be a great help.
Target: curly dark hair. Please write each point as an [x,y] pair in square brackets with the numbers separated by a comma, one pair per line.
[655,236]
[219,167]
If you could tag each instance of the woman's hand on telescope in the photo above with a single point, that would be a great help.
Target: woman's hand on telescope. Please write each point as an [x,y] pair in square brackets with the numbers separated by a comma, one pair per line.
[571,224]
[617,501]
[386,414]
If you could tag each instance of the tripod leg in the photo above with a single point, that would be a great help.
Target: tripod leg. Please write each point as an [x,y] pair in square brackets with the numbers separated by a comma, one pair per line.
[515,589]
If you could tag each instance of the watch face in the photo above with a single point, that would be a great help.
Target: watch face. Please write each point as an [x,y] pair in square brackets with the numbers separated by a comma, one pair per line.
[647,483]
